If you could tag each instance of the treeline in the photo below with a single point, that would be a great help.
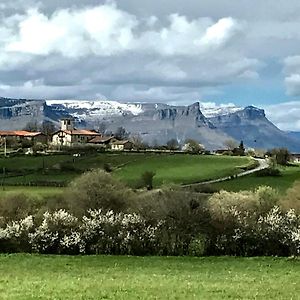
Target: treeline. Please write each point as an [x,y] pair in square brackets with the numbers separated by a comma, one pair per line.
[100,215]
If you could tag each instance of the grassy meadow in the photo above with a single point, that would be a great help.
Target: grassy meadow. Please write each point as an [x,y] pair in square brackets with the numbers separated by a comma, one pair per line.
[182,169]
[288,176]
[61,169]
[116,277]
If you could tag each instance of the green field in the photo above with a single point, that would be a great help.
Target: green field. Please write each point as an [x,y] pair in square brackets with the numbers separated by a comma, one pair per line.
[282,183]
[108,277]
[61,169]
[182,169]
[32,190]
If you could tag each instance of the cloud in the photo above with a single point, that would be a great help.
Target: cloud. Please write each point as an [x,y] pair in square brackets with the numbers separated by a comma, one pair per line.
[106,30]
[285,115]
[292,75]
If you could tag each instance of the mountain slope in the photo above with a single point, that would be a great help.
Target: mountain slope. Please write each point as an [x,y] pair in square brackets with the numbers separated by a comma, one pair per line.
[252,126]
[155,122]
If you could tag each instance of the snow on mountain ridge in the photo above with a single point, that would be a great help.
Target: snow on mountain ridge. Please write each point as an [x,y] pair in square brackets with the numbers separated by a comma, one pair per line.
[102,108]
[99,108]
[211,109]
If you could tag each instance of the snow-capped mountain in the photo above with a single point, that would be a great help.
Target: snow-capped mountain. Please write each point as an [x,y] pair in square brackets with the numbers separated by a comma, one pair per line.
[83,109]
[208,123]
[210,109]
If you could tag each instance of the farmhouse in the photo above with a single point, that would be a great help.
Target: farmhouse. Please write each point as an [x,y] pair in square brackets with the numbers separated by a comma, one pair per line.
[21,135]
[121,145]
[68,135]
[104,141]
[295,157]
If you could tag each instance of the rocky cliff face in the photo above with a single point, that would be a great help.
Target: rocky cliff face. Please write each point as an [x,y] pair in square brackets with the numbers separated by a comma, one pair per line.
[16,113]
[252,126]
[155,123]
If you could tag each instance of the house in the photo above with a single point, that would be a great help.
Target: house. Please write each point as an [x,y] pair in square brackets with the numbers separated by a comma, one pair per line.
[121,145]
[68,135]
[104,141]
[295,158]
[22,135]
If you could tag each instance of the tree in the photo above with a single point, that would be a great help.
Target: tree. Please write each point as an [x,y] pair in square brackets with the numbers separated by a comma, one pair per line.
[147,179]
[230,144]
[240,150]
[100,127]
[121,133]
[48,128]
[31,126]
[193,146]
[172,144]
[138,142]
[281,155]
[97,189]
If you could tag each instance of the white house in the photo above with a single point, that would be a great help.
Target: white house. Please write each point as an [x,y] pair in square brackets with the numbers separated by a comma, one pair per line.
[121,145]
[68,135]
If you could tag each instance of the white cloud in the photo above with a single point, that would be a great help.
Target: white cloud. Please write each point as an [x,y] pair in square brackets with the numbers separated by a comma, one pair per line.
[292,75]
[106,30]
[284,115]
[219,33]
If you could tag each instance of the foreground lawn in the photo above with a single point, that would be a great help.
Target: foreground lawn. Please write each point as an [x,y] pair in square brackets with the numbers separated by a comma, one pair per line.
[108,277]
[282,183]
[181,168]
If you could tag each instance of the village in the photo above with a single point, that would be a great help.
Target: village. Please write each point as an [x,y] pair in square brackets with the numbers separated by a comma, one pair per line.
[66,136]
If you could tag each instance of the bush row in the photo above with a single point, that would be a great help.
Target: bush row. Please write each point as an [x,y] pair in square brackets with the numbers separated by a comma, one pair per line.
[99,215]
[99,232]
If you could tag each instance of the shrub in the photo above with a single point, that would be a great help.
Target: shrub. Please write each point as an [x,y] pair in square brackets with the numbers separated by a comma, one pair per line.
[147,179]
[292,198]
[268,172]
[16,206]
[197,246]
[107,168]
[97,190]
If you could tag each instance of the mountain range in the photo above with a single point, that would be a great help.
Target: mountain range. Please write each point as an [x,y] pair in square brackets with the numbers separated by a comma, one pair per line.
[156,122]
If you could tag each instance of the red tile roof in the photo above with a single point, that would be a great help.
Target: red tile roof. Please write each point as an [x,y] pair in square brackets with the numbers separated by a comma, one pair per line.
[80,132]
[101,139]
[22,133]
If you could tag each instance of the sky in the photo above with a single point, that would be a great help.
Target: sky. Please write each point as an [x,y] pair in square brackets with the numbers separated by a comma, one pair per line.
[245,52]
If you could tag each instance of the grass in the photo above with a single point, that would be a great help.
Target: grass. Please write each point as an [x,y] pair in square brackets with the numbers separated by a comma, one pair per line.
[282,183]
[61,169]
[182,169]
[32,190]
[108,277]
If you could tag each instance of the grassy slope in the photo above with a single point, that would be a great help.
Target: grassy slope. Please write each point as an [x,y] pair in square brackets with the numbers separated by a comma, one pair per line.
[106,277]
[182,168]
[169,168]
[282,183]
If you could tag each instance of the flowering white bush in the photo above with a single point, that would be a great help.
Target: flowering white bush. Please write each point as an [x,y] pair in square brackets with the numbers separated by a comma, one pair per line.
[56,233]
[271,233]
[275,233]
[108,232]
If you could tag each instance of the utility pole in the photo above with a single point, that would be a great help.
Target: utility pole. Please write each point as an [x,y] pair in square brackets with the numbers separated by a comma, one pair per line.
[3,177]
[5,147]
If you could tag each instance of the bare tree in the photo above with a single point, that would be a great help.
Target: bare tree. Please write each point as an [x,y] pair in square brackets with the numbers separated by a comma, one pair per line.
[230,144]
[101,127]
[31,126]
[121,133]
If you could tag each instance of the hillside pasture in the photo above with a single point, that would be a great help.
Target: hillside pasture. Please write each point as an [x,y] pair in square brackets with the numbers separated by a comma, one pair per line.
[59,170]
[288,176]
[182,169]
[119,277]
